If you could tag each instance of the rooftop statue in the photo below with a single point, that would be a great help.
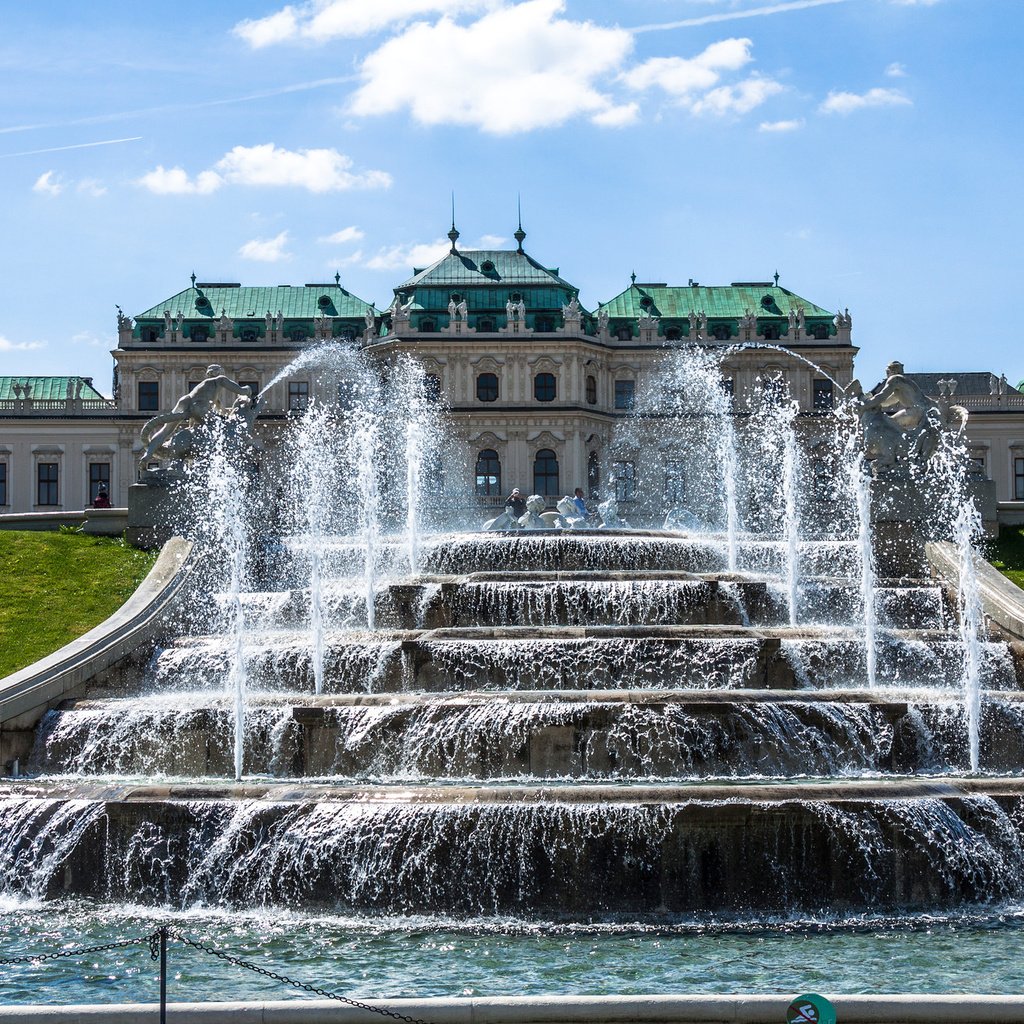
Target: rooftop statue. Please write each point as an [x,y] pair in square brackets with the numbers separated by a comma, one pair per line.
[902,426]
[173,435]
[571,311]
[602,319]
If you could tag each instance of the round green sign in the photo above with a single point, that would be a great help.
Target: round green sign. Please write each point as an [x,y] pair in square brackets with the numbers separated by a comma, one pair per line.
[811,1009]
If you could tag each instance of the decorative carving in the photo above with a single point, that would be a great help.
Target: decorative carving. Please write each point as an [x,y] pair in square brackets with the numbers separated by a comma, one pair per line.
[535,505]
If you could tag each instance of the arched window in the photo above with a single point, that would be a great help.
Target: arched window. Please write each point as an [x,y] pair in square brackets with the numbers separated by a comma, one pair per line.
[149,334]
[720,332]
[488,473]
[625,394]
[544,324]
[593,474]
[770,332]
[545,473]
[299,333]
[432,387]
[673,334]
[486,323]
[487,387]
[820,332]
[544,387]
[199,332]
[426,326]
[591,391]
[249,334]
[624,333]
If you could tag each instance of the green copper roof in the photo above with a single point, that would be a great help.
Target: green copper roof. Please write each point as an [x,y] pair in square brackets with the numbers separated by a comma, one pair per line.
[49,388]
[506,268]
[717,301]
[294,301]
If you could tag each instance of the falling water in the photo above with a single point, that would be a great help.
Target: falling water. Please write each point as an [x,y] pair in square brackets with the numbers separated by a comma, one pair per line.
[227,501]
[730,471]
[791,522]
[965,528]
[367,437]
[861,481]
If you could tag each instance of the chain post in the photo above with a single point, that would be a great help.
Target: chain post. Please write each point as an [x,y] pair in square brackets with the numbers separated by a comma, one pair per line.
[163,974]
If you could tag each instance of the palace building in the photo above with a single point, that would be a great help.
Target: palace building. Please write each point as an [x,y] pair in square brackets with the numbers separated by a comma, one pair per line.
[535,381]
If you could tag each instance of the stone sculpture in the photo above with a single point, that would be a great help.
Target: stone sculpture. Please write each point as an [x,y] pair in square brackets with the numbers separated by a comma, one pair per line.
[568,517]
[503,522]
[902,427]
[609,513]
[535,505]
[572,310]
[602,320]
[453,309]
[174,435]
[370,319]
[462,309]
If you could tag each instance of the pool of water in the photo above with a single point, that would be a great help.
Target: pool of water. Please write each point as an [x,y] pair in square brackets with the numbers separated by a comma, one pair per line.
[420,957]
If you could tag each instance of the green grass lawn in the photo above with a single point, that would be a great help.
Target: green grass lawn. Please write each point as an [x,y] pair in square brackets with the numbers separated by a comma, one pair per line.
[1007,553]
[56,586]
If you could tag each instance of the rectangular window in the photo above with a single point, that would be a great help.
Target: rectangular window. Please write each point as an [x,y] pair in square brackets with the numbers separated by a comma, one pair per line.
[298,395]
[149,396]
[624,394]
[624,477]
[824,397]
[254,384]
[46,481]
[1018,479]
[99,476]
[3,482]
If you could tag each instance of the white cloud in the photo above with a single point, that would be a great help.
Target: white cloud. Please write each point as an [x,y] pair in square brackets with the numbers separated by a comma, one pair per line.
[740,98]
[323,20]
[48,184]
[349,234]
[515,69]
[6,345]
[896,70]
[93,340]
[317,170]
[266,250]
[174,181]
[681,77]
[91,187]
[915,3]
[617,117]
[408,254]
[491,242]
[848,102]
[781,126]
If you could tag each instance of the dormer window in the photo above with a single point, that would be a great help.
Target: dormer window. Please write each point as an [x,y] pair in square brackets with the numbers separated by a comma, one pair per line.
[647,302]
[820,332]
[673,334]
[249,334]
[770,333]
[202,302]
[487,267]
[767,301]
[720,332]
[149,334]
[323,302]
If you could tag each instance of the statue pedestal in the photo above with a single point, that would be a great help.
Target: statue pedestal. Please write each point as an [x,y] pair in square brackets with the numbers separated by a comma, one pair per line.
[154,509]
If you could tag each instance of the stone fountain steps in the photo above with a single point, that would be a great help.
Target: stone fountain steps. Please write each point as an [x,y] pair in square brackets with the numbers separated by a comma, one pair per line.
[576,853]
[603,657]
[547,551]
[588,736]
[602,598]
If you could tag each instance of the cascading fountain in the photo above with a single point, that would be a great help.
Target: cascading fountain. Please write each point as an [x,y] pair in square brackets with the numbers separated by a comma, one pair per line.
[551,745]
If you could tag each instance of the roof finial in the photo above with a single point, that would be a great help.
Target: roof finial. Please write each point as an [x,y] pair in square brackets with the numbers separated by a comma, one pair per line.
[454,233]
[632,277]
[519,234]
[776,279]
[193,279]
[337,278]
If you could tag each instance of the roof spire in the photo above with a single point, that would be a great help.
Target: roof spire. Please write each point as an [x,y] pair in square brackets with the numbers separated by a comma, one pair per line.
[776,279]
[337,278]
[193,279]
[454,233]
[519,234]
[632,277]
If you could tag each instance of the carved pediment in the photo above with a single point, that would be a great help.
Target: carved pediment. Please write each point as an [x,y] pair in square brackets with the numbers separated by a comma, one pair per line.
[488,439]
[545,439]
[545,364]
[486,364]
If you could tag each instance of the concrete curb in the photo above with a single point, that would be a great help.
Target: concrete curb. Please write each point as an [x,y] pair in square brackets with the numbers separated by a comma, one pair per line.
[701,1009]
[27,694]
[1001,600]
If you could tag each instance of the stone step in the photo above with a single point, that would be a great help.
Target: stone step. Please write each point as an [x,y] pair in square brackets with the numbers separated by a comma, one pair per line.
[573,735]
[595,853]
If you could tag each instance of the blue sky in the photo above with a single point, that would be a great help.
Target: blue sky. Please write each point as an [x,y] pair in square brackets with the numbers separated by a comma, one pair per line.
[869,150]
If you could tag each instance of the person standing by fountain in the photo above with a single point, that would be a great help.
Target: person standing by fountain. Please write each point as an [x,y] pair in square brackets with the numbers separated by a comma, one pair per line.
[515,505]
[580,503]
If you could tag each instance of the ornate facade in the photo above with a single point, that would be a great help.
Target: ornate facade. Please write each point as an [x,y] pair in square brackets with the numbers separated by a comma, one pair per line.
[533,379]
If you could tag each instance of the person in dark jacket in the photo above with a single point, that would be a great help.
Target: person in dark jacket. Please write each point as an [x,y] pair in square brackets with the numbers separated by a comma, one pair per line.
[515,506]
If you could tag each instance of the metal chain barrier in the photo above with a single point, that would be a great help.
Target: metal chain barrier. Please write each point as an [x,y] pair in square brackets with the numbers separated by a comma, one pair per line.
[38,958]
[285,980]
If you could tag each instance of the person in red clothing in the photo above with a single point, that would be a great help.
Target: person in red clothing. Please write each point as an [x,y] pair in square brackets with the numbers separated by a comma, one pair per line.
[102,499]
